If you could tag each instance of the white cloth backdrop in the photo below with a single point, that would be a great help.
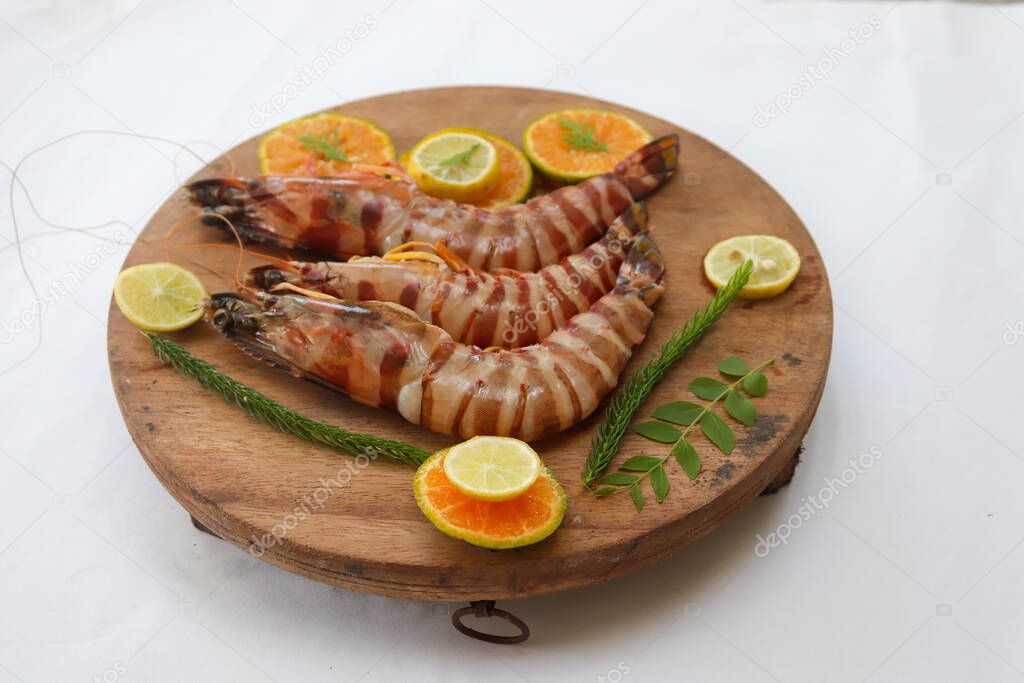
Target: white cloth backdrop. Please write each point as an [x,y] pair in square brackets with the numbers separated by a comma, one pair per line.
[899,147]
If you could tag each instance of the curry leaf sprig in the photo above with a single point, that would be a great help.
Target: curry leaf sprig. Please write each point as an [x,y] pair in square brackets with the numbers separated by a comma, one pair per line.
[579,135]
[326,146]
[669,417]
[631,396]
[279,417]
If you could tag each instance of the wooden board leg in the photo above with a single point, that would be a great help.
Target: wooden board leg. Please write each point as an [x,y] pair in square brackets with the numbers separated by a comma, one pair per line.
[485,608]
[786,475]
[199,525]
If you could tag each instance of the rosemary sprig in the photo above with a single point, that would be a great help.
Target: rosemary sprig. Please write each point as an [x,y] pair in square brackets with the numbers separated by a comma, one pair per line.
[460,158]
[578,135]
[689,415]
[628,399]
[326,146]
[279,417]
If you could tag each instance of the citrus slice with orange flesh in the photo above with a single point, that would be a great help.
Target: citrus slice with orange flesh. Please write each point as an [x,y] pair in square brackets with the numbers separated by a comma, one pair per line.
[324,145]
[515,170]
[454,165]
[571,145]
[528,518]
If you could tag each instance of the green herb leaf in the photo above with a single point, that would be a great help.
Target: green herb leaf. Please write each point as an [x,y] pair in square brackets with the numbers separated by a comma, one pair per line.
[707,388]
[460,158]
[622,406]
[740,407]
[638,497]
[657,431]
[687,415]
[325,146]
[756,384]
[686,456]
[718,432]
[276,415]
[619,479]
[640,463]
[659,482]
[606,491]
[733,366]
[680,412]
[580,136]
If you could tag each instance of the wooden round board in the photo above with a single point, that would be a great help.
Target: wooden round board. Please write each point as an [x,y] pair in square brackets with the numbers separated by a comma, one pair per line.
[320,514]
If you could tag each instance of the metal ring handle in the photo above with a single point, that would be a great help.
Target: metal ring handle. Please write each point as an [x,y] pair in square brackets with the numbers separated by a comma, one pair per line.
[483,609]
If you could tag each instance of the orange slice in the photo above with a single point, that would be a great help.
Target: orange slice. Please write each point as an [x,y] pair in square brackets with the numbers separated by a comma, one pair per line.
[324,144]
[528,518]
[571,145]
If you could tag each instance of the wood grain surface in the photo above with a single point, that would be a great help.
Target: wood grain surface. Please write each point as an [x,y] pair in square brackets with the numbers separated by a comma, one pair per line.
[322,515]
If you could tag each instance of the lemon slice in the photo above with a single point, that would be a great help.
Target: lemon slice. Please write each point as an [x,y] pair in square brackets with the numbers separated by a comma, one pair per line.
[776,264]
[514,168]
[455,165]
[492,467]
[159,297]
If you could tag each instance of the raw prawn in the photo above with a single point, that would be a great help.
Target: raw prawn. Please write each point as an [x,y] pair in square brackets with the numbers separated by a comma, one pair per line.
[365,213]
[506,309]
[382,354]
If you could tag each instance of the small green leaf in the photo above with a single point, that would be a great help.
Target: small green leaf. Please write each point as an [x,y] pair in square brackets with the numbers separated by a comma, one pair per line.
[580,136]
[680,412]
[640,463]
[740,407]
[619,479]
[756,384]
[686,456]
[638,497]
[460,158]
[718,432]
[659,482]
[707,388]
[657,431]
[733,365]
[326,146]
[606,491]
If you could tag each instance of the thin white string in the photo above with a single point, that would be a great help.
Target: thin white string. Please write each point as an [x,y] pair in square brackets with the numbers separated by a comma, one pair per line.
[59,228]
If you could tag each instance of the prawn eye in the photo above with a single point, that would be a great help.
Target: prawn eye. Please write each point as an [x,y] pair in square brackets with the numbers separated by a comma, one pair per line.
[221,319]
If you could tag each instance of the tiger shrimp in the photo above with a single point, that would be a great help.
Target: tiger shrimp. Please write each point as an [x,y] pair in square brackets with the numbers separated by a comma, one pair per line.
[365,214]
[382,354]
[506,309]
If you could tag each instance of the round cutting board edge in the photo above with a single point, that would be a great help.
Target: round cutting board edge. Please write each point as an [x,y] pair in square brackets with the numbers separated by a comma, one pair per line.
[390,549]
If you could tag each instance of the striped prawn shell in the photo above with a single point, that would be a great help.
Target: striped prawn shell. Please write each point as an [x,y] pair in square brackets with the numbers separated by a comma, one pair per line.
[506,309]
[361,213]
[382,354]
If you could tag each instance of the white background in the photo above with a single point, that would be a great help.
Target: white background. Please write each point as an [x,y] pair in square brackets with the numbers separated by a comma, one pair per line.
[904,163]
